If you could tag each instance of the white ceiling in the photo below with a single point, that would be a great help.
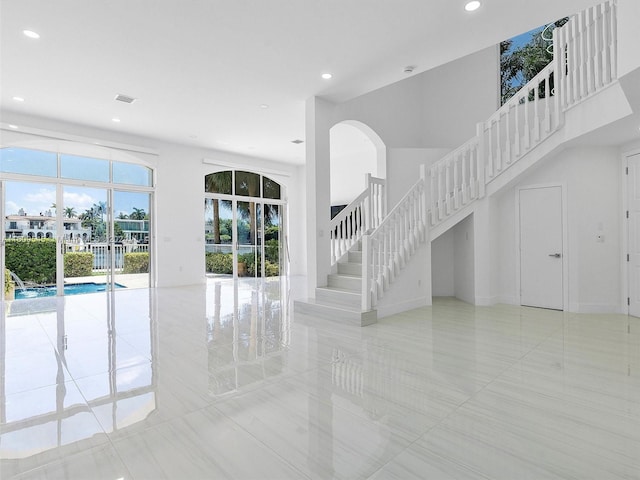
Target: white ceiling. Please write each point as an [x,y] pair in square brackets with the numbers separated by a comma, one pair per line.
[202,68]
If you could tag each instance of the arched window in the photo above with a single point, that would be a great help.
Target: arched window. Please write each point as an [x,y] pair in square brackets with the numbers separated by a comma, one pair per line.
[244,213]
[244,184]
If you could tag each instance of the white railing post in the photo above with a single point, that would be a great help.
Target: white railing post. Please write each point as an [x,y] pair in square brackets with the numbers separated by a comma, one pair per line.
[558,75]
[368,203]
[481,159]
[366,274]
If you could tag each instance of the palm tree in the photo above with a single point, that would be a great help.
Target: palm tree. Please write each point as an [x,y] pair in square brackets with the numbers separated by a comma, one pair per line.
[69,212]
[123,216]
[220,182]
[137,214]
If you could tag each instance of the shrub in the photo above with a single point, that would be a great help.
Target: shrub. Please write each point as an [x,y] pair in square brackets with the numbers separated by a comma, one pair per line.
[78,264]
[9,285]
[32,260]
[136,262]
[219,262]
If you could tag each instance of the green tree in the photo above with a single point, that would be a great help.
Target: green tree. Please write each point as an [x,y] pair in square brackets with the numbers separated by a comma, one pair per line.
[220,182]
[520,65]
[70,212]
[137,214]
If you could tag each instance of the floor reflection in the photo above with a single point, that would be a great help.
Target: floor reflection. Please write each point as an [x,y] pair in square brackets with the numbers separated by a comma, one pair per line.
[248,332]
[193,382]
[72,369]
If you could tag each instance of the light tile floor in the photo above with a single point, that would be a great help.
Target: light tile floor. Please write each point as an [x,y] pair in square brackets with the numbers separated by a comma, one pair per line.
[223,382]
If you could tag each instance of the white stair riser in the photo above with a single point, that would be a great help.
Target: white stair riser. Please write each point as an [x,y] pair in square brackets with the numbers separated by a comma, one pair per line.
[339,297]
[335,313]
[353,284]
[350,268]
[355,257]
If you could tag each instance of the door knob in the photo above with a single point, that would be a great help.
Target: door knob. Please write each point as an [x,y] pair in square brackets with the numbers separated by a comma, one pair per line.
[556,255]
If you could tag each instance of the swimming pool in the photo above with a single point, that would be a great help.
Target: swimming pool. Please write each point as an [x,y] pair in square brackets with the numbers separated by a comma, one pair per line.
[73,289]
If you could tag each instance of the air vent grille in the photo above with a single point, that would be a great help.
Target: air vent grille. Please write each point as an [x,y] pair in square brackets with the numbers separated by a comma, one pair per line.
[125,98]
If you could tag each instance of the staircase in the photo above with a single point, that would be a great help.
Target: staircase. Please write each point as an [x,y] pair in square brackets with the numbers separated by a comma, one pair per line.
[370,247]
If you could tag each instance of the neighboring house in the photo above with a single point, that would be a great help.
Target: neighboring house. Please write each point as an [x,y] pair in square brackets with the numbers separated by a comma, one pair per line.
[137,230]
[44,226]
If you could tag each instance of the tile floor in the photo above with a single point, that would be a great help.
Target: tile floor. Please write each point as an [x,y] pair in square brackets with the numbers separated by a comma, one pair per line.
[223,382]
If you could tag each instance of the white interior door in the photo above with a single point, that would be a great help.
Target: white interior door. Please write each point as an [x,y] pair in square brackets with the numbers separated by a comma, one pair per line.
[541,249]
[633,189]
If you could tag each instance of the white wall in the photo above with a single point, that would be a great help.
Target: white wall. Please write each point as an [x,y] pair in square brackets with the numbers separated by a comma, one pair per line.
[628,36]
[353,155]
[464,261]
[442,265]
[178,216]
[438,108]
[592,177]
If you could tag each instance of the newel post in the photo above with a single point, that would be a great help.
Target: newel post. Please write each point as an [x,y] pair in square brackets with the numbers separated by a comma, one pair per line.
[425,200]
[482,159]
[558,76]
[366,276]
[368,203]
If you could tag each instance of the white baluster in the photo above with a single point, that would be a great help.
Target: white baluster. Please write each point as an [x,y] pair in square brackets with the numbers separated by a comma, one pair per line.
[590,48]
[516,121]
[527,127]
[613,45]
[536,113]
[507,119]
[581,51]
[547,101]
[498,155]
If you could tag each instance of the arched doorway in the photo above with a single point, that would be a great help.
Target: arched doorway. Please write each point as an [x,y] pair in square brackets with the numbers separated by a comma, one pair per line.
[244,225]
[355,150]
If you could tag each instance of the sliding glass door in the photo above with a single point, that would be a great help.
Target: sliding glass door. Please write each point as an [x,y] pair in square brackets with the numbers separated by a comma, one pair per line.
[73,224]
[131,235]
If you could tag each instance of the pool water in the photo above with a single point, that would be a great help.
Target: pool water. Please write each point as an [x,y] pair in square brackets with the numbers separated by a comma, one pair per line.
[74,289]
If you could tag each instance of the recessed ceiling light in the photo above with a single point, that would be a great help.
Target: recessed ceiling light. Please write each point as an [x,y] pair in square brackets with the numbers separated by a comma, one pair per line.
[264,106]
[31,34]
[13,126]
[409,69]
[471,6]
[18,99]
[297,141]
[117,120]
[327,76]
[222,142]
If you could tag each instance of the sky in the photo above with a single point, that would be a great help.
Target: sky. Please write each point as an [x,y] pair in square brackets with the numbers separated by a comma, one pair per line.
[35,198]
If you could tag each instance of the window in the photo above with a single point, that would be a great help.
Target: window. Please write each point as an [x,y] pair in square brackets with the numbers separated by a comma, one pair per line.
[28,162]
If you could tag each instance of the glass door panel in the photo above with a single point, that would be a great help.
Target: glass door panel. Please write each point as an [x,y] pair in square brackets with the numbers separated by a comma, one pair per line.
[131,234]
[272,240]
[30,240]
[248,228]
[219,236]
[85,247]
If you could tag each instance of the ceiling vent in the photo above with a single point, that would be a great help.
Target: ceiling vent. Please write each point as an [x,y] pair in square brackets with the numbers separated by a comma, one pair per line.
[124,98]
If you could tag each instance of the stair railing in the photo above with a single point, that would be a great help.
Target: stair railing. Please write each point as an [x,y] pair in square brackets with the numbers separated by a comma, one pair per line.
[585,61]
[361,215]
[388,248]
[587,47]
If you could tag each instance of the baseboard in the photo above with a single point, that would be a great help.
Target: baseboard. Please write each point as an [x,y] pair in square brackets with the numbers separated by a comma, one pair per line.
[506,299]
[388,310]
[486,301]
[595,308]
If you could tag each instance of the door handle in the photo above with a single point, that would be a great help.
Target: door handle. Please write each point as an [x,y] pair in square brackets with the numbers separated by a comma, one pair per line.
[556,255]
